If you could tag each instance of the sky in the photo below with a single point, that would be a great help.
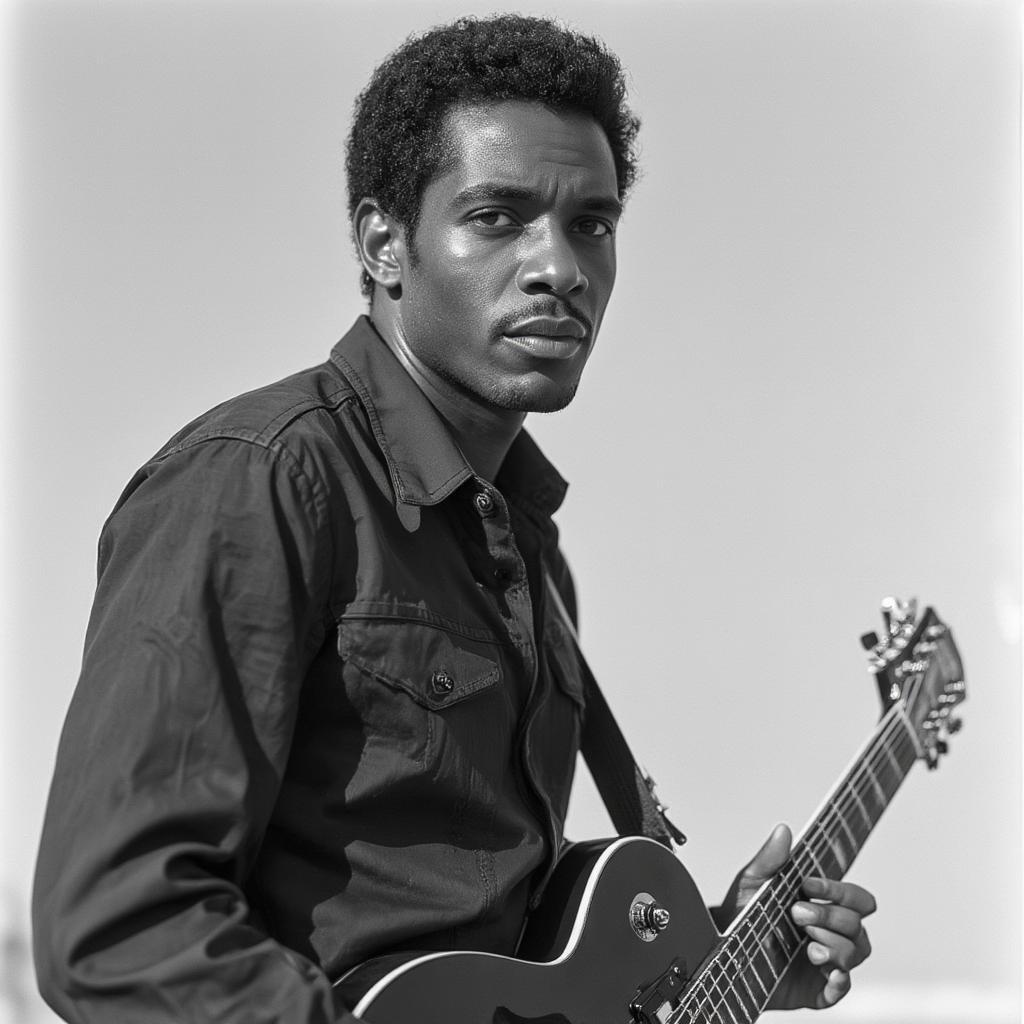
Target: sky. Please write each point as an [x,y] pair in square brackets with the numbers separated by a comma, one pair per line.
[806,394]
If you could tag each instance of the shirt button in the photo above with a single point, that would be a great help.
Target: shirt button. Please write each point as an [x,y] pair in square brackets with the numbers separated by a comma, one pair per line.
[484,504]
[441,682]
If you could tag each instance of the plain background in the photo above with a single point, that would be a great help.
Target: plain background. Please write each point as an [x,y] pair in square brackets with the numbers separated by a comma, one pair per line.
[806,394]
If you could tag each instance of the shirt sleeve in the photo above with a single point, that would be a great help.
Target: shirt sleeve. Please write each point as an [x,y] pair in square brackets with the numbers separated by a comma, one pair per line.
[213,583]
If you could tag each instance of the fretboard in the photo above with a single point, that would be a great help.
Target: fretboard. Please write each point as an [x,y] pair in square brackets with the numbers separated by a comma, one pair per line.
[734,985]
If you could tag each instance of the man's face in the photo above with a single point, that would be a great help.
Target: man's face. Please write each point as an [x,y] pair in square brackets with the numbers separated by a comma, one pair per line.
[513,259]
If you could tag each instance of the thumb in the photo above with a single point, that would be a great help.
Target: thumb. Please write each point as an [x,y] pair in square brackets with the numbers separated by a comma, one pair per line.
[764,864]
[770,857]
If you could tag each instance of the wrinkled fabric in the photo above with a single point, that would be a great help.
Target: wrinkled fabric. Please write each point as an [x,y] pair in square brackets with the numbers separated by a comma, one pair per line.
[325,712]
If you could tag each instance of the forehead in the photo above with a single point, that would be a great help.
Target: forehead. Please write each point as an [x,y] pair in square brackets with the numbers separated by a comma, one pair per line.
[527,145]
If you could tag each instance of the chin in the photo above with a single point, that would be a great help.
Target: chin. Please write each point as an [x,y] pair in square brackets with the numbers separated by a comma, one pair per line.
[527,398]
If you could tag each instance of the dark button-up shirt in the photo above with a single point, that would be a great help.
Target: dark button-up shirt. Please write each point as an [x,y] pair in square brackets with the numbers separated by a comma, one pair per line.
[325,710]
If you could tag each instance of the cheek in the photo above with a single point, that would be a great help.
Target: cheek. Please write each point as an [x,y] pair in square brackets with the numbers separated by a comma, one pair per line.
[463,265]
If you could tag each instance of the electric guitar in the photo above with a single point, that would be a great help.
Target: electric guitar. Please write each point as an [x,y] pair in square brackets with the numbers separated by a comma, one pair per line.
[622,935]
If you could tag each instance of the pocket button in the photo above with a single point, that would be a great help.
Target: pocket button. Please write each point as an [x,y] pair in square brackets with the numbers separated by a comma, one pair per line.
[441,682]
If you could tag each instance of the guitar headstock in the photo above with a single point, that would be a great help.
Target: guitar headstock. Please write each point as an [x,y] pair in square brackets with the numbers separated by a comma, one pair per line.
[916,662]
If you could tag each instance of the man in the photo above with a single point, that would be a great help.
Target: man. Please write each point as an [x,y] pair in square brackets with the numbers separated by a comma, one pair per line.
[327,710]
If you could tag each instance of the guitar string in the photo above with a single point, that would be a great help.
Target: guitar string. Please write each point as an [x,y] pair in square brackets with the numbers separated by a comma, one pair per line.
[715,1000]
[803,862]
[781,899]
[881,774]
[879,749]
[744,988]
[806,861]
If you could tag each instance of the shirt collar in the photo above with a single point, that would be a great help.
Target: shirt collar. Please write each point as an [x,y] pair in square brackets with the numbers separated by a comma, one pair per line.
[423,460]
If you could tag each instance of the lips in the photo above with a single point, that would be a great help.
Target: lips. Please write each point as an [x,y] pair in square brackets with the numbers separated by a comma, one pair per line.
[557,327]
[547,337]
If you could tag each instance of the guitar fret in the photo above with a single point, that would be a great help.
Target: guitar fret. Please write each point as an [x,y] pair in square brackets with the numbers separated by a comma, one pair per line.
[838,853]
[868,793]
[909,748]
[846,828]
[883,800]
[749,1014]
[723,1000]
[779,946]
[817,864]
[750,958]
[705,1008]
[845,851]
[765,989]
[888,752]
[744,966]
[868,823]
[731,964]
[825,857]
[740,962]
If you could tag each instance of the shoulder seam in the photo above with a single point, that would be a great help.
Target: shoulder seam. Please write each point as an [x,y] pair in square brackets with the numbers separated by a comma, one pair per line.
[290,463]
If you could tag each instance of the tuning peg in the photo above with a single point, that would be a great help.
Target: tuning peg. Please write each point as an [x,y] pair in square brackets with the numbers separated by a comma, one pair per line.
[954,725]
[942,746]
[869,641]
[899,616]
[888,612]
[909,668]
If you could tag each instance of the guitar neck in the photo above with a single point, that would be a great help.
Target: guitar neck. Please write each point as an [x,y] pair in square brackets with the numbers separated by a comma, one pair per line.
[735,983]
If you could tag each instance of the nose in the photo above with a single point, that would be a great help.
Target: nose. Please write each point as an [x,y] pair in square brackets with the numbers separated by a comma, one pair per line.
[550,266]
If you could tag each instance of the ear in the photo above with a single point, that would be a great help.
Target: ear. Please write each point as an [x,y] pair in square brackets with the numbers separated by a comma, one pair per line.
[381,244]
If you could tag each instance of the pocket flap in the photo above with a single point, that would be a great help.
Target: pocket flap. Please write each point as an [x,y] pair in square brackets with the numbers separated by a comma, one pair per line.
[434,667]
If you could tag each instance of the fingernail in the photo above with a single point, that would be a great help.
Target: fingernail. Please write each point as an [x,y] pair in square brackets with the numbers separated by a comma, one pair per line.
[803,914]
[817,954]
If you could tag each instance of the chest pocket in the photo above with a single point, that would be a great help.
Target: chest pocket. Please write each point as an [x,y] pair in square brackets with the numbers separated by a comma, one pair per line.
[425,698]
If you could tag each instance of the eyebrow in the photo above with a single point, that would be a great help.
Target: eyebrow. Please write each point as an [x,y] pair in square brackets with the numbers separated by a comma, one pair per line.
[487,191]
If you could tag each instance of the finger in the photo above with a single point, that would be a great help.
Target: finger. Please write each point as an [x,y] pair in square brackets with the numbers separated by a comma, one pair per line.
[848,894]
[771,856]
[829,949]
[837,984]
[832,916]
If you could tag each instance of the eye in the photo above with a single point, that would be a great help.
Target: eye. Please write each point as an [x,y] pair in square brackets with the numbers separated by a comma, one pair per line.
[492,219]
[593,227]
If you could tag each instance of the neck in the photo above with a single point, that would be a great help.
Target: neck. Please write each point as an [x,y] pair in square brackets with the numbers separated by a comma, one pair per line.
[483,433]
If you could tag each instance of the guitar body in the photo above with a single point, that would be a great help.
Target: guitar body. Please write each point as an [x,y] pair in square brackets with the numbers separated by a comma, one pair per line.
[583,961]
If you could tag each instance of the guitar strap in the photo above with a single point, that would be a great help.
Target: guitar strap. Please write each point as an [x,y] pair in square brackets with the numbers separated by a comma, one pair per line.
[627,791]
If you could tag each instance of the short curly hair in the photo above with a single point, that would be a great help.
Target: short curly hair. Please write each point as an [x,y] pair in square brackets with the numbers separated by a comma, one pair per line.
[397,142]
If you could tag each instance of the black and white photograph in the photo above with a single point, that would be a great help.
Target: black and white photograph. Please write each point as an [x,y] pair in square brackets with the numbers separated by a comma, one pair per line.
[511,515]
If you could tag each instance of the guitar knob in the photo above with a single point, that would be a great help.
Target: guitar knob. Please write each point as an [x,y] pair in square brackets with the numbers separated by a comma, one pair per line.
[647,918]
[656,918]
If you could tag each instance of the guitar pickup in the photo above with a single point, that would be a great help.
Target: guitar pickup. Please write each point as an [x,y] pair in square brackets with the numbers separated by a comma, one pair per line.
[654,1004]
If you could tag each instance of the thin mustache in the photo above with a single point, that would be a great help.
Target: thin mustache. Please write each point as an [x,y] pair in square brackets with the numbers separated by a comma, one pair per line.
[556,310]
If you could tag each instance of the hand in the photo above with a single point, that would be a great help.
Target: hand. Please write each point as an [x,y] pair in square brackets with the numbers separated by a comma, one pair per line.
[820,976]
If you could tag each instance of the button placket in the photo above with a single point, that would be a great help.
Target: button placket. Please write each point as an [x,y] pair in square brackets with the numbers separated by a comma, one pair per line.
[484,504]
